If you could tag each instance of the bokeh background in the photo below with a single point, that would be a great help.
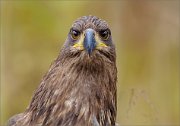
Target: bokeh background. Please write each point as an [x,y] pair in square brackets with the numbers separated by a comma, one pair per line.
[146,34]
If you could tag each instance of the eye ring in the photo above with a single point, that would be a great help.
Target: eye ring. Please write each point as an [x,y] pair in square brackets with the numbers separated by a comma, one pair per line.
[75,34]
[104,34]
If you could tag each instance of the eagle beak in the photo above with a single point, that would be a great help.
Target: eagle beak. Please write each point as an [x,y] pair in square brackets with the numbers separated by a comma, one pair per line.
[89,40]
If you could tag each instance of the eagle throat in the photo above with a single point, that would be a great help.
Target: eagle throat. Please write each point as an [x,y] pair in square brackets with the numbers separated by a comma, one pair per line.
[76,92]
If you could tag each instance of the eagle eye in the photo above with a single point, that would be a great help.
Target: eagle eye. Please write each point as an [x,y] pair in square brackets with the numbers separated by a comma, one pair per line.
[104,34]
[75,34]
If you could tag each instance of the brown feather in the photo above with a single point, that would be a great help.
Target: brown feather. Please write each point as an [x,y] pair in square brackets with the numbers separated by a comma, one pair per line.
[78,89]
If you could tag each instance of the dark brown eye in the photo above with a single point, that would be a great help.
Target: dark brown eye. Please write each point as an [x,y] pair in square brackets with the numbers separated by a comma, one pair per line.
[104,34]
[75,34]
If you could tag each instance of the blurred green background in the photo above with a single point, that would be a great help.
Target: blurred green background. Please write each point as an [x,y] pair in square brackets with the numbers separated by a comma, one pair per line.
[146,34]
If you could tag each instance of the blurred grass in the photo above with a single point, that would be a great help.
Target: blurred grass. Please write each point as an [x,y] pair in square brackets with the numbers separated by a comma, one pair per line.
[146,34]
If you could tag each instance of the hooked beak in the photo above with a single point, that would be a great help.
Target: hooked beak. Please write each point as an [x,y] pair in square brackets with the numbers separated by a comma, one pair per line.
[89,40]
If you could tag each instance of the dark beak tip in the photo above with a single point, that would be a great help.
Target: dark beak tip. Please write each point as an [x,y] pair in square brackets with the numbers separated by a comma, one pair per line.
[89,51]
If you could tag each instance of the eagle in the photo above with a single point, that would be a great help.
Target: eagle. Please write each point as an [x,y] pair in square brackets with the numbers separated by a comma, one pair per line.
[79,88]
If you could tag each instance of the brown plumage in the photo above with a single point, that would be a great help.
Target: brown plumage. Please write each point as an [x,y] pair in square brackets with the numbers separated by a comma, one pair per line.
[80,87]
